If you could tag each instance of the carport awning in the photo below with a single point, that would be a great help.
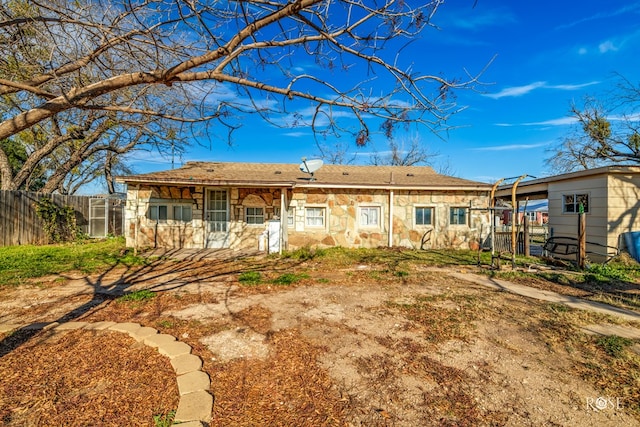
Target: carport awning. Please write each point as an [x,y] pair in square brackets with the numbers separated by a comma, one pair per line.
[525,190]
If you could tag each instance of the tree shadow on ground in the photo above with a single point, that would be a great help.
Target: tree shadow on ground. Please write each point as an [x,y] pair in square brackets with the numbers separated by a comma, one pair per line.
[164,273]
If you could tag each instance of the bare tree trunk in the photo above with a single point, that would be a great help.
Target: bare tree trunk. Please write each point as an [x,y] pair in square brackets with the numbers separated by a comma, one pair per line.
[108,175]
[6,174]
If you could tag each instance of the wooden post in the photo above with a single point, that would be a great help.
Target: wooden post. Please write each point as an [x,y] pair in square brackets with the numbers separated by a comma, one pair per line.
[492,212]
[514,207]
[525,236]
[582,240]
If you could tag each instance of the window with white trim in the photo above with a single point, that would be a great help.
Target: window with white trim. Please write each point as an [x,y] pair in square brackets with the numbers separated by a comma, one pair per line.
[158,213]
[571,203]
[458,216]
[370,216]
[182,213]
[254,216]
[291,217]
[291,212]
[163,211]
[424,215]
[314,217]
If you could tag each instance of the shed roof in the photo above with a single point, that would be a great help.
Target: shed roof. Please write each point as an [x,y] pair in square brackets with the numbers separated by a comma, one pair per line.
[539,188]
[290,175]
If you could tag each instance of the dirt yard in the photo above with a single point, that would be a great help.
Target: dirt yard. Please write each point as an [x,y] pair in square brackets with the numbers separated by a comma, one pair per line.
[310,343]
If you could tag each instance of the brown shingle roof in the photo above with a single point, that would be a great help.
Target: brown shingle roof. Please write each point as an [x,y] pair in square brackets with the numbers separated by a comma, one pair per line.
[290,175]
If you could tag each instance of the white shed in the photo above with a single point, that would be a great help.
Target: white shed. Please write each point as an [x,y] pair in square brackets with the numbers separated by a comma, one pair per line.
[610,196]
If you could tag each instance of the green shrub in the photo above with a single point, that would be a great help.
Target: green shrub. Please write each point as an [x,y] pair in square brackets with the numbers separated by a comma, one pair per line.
[59,222]
[164,420]
[289,278]
[401,273]
[606,272]
[614,345]
[140,295]
[250,277]
[304,253]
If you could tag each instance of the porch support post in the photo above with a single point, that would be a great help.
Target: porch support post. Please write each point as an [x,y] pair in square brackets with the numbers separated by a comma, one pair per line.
[514,210]
[136,223]
[390,241]
[582,240]
[284,220]
[205,197]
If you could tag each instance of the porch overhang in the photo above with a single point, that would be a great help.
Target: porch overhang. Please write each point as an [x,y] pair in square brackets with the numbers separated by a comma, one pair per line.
[531,190]
[539,188]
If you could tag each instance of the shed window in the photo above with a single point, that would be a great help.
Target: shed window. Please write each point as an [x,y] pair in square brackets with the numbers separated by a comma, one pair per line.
[571,203]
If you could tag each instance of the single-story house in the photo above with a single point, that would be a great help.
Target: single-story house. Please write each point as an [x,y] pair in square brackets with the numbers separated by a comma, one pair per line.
[610,197]
[256,205]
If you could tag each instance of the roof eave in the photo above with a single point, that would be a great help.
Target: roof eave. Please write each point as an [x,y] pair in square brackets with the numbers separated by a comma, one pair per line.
[289,184]
[204,183]
[471,187]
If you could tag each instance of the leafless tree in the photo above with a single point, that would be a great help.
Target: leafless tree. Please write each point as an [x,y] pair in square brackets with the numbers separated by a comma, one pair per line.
[409,152]
[607,132]
[227,58]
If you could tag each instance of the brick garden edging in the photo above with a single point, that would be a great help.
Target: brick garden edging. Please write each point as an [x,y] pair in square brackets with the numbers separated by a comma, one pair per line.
[196,403]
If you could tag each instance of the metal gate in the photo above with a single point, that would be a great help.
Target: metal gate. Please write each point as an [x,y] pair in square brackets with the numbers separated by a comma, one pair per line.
[106,216]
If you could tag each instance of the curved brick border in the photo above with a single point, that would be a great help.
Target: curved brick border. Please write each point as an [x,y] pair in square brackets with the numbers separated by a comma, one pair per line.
[196,403]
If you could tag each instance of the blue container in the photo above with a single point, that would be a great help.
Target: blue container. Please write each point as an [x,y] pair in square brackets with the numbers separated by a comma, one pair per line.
[632,241]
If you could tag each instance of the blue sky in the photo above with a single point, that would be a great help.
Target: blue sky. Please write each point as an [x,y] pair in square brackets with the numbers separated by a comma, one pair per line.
[548,54]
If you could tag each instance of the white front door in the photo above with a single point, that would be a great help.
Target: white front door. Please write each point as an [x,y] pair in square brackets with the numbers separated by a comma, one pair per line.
[217,214]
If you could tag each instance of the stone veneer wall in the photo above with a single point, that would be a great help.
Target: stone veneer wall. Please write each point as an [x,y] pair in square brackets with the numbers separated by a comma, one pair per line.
[193,234]
[243,235]
[342,227]
[172,234]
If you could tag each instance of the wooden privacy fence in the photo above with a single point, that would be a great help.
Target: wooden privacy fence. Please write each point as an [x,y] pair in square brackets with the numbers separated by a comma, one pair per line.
[20,224]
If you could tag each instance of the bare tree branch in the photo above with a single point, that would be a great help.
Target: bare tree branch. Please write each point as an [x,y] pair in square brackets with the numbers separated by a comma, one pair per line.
[607,132]
[61,60]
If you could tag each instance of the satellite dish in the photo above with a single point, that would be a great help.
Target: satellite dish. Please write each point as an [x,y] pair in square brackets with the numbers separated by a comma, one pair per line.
[310,166]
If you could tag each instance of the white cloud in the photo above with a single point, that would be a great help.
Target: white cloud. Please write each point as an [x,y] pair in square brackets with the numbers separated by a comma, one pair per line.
[515,91]
[563,121]
[475,21]
[603,15]
[626,117]
[572,87]
[296,134]
[567,121]
[582,51]
[607,46]
[513,147]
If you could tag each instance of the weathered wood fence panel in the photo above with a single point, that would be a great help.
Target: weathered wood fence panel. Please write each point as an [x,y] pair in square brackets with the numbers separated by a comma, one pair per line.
[537,237]
[20,224]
